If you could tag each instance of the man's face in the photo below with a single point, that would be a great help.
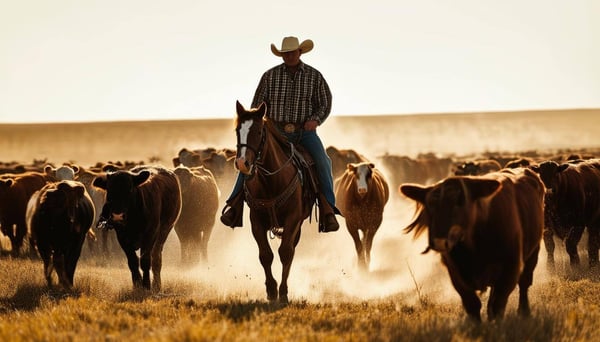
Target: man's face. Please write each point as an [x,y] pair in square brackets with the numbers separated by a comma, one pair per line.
[291,58]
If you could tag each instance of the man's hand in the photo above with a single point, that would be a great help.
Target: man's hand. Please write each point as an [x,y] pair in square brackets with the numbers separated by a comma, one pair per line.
[310,125]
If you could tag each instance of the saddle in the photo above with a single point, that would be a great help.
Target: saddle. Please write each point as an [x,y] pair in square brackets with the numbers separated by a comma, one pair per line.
[303,161]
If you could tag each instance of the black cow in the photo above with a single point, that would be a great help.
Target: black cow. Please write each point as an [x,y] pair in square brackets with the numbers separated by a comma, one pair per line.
[572,204]
[58,218]
[142,205]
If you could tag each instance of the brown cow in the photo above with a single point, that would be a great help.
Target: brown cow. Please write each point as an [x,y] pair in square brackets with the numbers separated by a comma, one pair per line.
[572,204]
[425,169]
[488,231]
[15,192]
[142,205]
[342,157]
[199,204]
[59,217]
[477,167]
[361,194]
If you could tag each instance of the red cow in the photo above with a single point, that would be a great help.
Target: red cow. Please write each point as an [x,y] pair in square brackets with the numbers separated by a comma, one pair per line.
[200,201]
[361,194]
[15,192]
[488,231]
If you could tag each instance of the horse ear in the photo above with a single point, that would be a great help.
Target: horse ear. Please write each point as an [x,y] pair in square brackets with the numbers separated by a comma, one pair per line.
[262,108]
[239,108]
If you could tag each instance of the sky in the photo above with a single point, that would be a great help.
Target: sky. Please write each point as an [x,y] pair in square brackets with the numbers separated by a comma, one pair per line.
[112,60]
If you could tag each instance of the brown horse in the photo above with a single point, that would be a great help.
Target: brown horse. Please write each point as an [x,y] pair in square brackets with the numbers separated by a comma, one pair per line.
[273,189]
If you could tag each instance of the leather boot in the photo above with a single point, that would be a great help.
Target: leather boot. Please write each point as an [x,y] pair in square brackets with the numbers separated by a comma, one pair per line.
[233,211]
[328,222]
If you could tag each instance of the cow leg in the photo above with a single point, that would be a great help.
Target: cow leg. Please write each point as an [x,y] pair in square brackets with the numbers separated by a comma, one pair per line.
[499,294]
[132,260]
[204,245]
[470,300]
[550,246]
[134,267]
[265,255]
[593,245]
[525,281]
[73,257]
[145,264]
[571,242]
[46,256]
[59,264]
[358,246]
[157,266]
[368,244]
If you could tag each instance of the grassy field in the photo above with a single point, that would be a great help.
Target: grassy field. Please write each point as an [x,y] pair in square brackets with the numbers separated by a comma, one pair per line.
[405,297]
[100,310]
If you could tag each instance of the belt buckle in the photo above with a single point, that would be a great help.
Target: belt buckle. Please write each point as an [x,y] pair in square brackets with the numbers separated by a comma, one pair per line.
[289,128]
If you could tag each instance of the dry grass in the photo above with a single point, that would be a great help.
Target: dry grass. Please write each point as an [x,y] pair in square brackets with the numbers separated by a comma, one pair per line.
[563,310]
[406,296]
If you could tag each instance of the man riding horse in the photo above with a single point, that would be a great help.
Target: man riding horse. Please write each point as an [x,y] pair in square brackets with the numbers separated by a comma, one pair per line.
[298,101]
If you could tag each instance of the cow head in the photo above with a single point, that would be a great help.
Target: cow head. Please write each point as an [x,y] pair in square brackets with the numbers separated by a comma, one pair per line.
[61,200]
[363,173]
[447,209]
[120,189]
[548,171]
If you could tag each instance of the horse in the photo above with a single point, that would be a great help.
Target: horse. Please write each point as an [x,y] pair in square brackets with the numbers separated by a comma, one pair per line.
[278,192]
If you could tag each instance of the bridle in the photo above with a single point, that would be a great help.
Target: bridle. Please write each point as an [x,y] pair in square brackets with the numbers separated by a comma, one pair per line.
[258,161]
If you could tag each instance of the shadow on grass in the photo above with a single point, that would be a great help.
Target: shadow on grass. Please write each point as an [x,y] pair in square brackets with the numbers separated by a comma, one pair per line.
[243,311]
[29,297]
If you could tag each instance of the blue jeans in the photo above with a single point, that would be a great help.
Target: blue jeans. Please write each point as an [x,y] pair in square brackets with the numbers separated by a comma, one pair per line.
[311,143]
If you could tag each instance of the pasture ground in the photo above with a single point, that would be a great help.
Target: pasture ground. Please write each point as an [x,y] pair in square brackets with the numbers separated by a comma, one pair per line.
[405,297]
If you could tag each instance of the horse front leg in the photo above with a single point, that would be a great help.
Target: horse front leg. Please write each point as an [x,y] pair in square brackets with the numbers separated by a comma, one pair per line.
[286,255]
[265,255]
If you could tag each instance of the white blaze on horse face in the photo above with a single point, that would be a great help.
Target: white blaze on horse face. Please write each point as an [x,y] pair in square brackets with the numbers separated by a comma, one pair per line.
[362,171]
[244,131]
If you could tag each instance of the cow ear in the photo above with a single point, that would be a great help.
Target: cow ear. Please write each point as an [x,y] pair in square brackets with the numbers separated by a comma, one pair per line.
[110,168]
[48,169]
[75,169]
[6,182]
[481,188]
[141,177]
[415,192]
[63,186]
[371,165]
[562,167]
[535,168]
[100,182]
[79,190]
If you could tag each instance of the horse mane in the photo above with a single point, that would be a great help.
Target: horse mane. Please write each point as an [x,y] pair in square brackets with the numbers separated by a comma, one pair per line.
[270,124]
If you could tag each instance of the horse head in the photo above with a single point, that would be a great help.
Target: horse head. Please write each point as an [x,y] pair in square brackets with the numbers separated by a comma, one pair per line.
[250,134]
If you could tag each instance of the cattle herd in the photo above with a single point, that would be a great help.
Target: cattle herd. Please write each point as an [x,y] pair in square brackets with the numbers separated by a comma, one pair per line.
[485,215]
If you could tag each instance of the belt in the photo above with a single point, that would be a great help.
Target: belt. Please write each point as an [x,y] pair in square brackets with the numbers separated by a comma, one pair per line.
[289,127]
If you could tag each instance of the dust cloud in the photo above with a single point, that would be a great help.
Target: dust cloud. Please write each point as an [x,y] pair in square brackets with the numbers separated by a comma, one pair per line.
[324,267]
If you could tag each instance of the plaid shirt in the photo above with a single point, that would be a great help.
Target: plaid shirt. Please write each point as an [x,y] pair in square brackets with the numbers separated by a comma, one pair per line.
[299,98]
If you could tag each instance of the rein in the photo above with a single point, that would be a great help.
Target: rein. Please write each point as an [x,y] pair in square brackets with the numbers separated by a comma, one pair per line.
[271,204]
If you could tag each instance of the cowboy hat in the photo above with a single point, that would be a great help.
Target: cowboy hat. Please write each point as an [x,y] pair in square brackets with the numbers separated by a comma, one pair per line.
[291,44]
